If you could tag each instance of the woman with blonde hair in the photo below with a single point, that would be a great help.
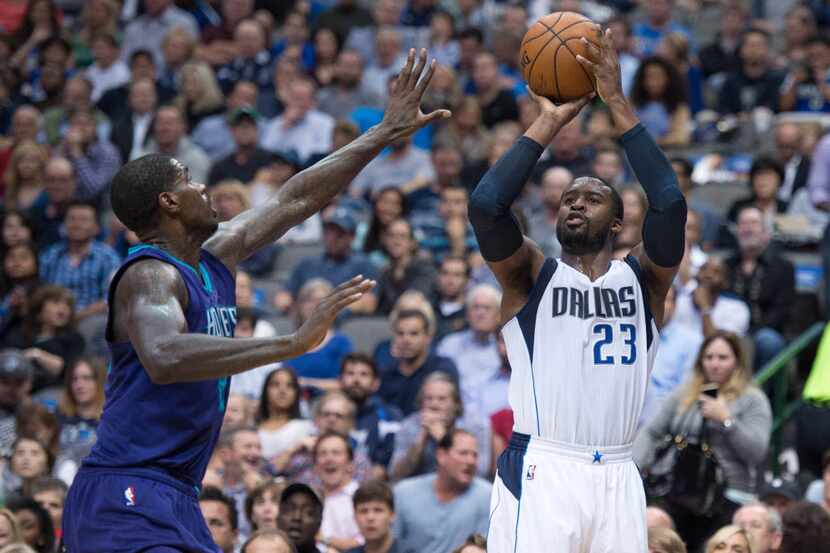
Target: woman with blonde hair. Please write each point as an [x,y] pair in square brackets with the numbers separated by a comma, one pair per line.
[720,401]
[200,94]
[729,539]
[664,540]
[9,529]
[24,175]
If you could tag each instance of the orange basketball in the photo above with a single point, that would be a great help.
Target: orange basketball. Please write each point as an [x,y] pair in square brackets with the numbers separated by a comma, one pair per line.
[548,56]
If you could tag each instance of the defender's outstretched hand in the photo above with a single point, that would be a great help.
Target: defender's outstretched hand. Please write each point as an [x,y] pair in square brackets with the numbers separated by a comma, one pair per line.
[605,67]
[315,328]
[403,115]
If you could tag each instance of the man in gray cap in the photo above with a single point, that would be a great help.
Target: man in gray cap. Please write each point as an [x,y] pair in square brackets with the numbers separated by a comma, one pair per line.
[15,383]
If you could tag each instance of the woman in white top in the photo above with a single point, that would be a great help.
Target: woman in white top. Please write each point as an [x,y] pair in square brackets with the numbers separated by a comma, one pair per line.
[279,421]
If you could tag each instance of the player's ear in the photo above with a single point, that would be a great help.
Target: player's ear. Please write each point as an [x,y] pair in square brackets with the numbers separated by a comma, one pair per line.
[616,225]
[169,202]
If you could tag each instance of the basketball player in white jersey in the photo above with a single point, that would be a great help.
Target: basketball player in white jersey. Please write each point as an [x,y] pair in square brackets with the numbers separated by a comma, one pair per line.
[581,334]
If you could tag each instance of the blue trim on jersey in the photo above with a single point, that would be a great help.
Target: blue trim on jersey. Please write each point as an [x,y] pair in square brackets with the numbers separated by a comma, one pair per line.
[527,321]
[202,272]
[635,266]
[516,534]
[511,463]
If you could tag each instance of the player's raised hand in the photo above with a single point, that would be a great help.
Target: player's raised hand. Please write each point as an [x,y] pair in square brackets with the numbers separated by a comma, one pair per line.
[604,66]
[312,332]
[563,113]
[403,115]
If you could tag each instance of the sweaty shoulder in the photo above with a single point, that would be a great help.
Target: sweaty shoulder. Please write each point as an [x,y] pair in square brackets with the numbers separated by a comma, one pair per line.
[146,280]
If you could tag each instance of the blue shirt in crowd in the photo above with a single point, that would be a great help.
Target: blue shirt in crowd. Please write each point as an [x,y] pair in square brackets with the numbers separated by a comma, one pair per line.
[402,391]
[89,280]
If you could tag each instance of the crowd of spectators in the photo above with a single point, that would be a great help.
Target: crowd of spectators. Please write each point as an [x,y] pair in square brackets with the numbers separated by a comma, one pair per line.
[392,449]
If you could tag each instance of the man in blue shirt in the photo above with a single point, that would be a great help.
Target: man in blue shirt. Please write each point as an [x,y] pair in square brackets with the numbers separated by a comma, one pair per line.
[338,263]
[414,361]
[81,263]
[376,422]
[658,23]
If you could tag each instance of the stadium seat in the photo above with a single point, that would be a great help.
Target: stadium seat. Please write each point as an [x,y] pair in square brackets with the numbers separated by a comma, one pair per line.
[367,332]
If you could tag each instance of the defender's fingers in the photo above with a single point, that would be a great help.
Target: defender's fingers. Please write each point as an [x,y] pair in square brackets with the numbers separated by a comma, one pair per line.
[424,82]
[419,68]
[351,282]
[436,115]
[406,71]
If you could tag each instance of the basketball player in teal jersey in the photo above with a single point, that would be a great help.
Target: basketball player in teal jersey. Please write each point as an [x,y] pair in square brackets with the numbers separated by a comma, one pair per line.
[170,329]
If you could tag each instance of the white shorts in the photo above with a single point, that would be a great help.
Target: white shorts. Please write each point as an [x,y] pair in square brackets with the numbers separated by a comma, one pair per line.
[550,497]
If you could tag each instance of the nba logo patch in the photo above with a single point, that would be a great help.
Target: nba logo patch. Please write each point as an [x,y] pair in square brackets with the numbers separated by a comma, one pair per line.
[129,495]
[531,472]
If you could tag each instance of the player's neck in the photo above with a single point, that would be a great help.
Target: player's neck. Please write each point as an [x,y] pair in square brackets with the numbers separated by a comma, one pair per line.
[183,247]
[592,265]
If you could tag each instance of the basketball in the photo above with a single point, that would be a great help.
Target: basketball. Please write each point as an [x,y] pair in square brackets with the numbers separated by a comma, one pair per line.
[548,56]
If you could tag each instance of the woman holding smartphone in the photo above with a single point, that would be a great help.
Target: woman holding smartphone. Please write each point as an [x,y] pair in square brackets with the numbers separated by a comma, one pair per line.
[719,394]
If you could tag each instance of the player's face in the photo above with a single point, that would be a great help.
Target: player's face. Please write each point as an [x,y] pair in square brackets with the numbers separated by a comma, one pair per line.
[754,521]
[332,463]
[358,381]
[281,393]
[300,517]
[218,521]
[52,501]
[460,460]
[196,212]
[83,384]
[374,519]
[718,361]
[586,218]
[265,511]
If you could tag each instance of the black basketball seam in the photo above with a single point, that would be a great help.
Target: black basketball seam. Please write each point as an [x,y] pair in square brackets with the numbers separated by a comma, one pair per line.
[542,49]
[564,43]
[555,74]
[590,79]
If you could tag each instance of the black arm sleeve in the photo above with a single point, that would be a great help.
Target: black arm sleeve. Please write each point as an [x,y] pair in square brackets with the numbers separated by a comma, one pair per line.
[497,231]
[664,228]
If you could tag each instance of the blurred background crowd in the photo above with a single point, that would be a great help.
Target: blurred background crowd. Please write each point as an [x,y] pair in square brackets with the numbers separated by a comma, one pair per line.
[385,437]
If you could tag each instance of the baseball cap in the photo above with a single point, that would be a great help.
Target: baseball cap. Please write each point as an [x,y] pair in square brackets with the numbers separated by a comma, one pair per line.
[781,487]
[299,487]
[245,112]
[342,218]
[13,364]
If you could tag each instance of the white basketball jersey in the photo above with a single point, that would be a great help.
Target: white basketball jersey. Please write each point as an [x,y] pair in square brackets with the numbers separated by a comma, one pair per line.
[581,353]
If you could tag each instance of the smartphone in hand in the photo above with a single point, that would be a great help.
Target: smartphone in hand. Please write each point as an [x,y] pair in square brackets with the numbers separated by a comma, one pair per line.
[710,390]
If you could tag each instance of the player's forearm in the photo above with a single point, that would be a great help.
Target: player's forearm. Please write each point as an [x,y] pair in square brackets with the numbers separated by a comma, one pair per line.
[664,228]
[314,188]
[194,357]
[496,229]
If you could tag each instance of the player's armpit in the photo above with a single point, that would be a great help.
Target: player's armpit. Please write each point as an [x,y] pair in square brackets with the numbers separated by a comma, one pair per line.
[516,275]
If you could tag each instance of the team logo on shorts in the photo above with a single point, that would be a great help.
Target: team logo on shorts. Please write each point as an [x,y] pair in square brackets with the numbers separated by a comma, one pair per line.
[129,494]
[531,472]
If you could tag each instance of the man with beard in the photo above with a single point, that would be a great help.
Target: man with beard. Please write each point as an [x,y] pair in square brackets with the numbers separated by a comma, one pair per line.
[346,92]
[580,333]
[376,422]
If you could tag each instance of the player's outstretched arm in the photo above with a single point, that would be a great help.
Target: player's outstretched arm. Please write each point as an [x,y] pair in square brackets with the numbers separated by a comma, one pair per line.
[514,258]
[309,191]
[664,228]
[153,294]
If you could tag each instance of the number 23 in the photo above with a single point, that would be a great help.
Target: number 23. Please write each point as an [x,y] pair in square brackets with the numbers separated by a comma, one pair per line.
[606,331]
